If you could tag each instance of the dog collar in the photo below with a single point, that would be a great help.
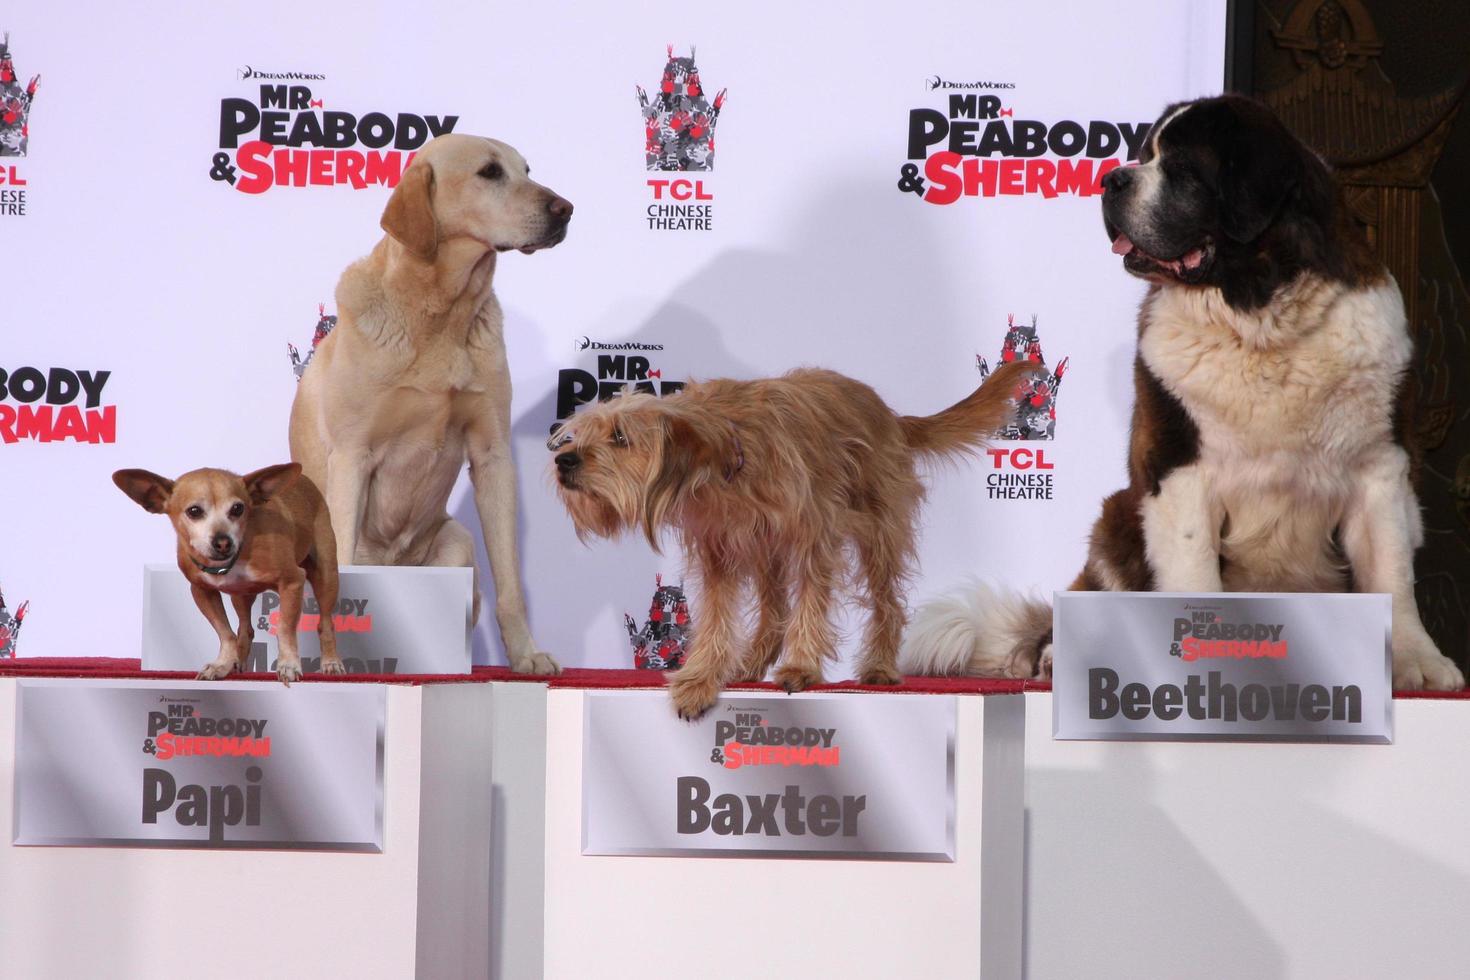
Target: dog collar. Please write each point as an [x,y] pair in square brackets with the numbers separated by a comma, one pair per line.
[217,569]
[730,471]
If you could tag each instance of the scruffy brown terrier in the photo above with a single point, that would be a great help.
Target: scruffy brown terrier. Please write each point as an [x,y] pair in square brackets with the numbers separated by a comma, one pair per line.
[765,483]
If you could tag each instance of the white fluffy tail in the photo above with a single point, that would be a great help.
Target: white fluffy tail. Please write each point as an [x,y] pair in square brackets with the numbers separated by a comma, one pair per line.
[980,632]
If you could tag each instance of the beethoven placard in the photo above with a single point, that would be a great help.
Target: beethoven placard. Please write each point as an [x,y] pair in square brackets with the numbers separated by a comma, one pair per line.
[1291,668]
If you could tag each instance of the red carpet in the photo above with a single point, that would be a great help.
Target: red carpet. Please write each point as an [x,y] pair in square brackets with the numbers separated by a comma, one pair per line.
[119,667]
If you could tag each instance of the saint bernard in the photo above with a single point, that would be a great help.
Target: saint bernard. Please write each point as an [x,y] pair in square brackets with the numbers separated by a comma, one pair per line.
[1265,452]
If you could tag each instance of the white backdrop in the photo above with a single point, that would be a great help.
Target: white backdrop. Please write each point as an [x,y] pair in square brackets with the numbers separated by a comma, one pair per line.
[131,259]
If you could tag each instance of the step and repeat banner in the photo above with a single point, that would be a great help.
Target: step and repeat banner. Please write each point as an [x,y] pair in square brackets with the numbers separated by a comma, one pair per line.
[906,195]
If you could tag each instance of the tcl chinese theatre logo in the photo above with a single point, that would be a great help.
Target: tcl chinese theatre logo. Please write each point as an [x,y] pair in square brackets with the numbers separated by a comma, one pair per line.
[679,122]
[290,135]
[980,144]
[1024,473]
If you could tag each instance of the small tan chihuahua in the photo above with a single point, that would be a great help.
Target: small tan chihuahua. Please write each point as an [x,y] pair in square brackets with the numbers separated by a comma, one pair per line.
[244,535]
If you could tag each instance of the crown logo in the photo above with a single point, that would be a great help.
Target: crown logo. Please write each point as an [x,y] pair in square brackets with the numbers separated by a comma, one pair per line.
[10,627]
[1037,417]
[324,325]
[15,104]
[679,122]
[662,643]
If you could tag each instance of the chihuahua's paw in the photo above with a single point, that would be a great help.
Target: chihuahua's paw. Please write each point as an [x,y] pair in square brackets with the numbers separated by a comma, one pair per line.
[216,670]
[334,667]
[537,663]
[288,672]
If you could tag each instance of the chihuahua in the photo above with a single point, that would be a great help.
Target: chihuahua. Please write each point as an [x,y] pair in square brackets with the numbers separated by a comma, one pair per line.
[244,535]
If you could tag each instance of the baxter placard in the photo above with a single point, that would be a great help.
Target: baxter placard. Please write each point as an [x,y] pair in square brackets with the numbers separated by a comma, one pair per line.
[1237,666]
[820,775]
[389,620]
[221,764]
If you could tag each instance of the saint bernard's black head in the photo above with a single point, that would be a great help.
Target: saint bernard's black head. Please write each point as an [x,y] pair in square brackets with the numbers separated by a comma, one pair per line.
[1225,196]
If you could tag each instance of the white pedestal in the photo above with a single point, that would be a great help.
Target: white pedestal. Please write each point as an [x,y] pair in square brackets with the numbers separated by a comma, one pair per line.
[482,875]
[651,917]
[422,906]
[1156,859]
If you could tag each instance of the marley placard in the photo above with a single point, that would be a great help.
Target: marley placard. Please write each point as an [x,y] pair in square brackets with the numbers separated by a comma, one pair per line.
[388,619]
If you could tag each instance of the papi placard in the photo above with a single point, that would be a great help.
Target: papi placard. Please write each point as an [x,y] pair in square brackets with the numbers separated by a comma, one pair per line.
[1236,666]
[389,620]
[216,765]
[820,775]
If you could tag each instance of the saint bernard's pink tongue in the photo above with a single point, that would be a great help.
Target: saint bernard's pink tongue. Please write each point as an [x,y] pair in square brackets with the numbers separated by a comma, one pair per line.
[1122,245]
[1193,259]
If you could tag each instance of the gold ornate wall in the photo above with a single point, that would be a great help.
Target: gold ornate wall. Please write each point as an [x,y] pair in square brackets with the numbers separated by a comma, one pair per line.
[1318,63]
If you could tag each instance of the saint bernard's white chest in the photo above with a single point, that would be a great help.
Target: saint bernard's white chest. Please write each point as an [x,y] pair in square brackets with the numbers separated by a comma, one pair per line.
[1288,403]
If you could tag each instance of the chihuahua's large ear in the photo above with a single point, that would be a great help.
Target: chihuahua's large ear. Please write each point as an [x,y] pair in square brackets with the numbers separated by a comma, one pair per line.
[265,484]
[694,455]
[409,216]
[150,490]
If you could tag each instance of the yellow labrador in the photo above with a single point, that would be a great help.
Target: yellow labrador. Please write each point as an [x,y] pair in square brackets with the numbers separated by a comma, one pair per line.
[414,379]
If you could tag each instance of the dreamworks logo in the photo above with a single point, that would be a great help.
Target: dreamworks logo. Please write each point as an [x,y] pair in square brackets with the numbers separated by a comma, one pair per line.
[246,73]
[587,343]
[939,81]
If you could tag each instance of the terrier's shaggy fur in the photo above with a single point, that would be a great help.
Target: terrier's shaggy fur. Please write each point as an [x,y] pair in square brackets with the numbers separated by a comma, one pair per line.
[766,482]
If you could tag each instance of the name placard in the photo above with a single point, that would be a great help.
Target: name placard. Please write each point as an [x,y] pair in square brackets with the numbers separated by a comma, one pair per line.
[761,775]
[217,765]
[389,620]
[1236,666]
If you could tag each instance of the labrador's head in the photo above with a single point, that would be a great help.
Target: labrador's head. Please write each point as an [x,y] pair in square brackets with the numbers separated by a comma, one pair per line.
[469,187]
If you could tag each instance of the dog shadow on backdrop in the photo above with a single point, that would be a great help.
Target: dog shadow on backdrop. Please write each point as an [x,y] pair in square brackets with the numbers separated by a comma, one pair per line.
[596,569]
[706,320]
